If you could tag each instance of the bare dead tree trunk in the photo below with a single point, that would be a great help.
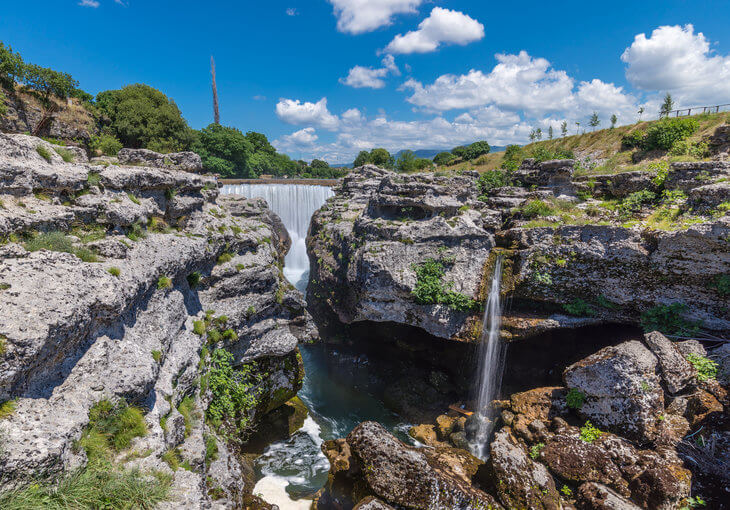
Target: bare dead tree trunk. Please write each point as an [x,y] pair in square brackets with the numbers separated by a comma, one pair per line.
[216,113]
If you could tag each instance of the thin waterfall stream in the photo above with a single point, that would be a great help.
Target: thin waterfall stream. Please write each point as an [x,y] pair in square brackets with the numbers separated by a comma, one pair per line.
[491,366]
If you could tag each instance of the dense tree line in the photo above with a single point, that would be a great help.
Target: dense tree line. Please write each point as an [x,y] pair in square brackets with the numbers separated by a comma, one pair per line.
[139,116]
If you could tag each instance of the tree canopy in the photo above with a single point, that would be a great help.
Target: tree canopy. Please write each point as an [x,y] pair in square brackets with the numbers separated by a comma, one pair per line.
[225,151]
[379,157]
[143,117]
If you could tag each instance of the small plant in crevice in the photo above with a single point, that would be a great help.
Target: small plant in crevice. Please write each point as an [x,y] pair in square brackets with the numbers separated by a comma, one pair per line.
[44,153]
[66,155]
[430,288]
[136,232]
[7,408]
[233,393]
[194,279]
[114,271]
[133,198]
[705,367]
[186,408]
[575,398]
[590,433]
[669,320]
[112,426]
[211,449]
[579,308]
[694,502]
[93,179]
[164,282]
[60,242]
[225,257]
[535,450]
[157,356]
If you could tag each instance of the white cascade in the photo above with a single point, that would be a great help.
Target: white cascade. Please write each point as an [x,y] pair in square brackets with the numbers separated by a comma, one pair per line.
[491,366]
[295,204]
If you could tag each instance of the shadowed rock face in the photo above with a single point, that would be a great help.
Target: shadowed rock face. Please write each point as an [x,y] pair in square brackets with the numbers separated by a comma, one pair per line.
[124,326]
[365,244]
[373,463]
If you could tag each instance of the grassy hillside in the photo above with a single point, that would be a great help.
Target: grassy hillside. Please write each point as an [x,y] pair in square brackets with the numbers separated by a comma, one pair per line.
[600,152]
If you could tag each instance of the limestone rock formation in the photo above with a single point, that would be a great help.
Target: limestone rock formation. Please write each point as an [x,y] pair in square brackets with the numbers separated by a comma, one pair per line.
[185,161]
[126,283]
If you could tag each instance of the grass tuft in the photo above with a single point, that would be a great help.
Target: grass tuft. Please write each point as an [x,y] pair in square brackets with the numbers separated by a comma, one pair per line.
[44,153]
[164,282]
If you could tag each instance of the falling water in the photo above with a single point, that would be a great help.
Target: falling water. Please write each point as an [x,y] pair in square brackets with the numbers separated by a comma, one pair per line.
[491,366]
[295,204]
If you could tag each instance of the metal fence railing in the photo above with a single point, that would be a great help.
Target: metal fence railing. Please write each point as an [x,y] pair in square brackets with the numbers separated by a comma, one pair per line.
[686,112]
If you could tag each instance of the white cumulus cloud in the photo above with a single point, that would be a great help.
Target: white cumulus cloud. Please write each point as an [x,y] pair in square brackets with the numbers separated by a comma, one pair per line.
[316,114]
[367,77]
[443,26]
[518,82]
[360,16]
[678,60]
[303,137]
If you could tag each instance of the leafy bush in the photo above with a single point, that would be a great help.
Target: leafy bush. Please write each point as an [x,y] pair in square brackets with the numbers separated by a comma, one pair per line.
[107,144]
[430,288]
[199,328]
[44,153]
[665,133]
[513,156]
[589,433]
[378,157]
[233,394]
[194,279]
[493,179]
[225,151]
[579,308]
[535,208]
[668,319]
[634,140]
[575,398]
[706,368]
[444,158]
[634,202]
[541,154]
[143,117]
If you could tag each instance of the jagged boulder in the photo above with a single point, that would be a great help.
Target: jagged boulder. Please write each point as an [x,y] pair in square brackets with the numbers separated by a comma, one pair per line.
[371,462]
[621,388]
[594,496]
[519,481]
[677,372]
[185,161]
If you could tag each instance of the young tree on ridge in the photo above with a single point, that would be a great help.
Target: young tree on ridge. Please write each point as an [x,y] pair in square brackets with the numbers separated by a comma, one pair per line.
[538,133]
[564,128]
[595,121]
[614,119]
[667,105]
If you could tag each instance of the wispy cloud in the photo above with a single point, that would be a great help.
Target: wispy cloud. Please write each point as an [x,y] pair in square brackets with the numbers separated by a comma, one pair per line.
[291,11]
[89,3]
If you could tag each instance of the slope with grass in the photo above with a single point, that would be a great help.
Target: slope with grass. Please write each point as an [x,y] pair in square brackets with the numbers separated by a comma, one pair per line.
[129,338]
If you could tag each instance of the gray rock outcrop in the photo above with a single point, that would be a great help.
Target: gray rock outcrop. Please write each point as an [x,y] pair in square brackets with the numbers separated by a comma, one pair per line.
[184,161]
[137,276]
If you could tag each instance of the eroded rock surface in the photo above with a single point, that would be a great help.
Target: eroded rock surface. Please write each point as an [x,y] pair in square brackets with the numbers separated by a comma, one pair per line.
[170,276]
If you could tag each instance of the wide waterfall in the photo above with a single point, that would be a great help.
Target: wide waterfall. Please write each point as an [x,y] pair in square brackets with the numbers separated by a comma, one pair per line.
[295,204]
[491,366]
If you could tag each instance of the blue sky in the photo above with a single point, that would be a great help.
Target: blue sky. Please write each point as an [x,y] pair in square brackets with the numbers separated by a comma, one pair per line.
[431,74]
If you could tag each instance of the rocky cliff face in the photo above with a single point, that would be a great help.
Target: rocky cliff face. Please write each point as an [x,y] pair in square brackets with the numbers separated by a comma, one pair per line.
[379,247]
[140,284]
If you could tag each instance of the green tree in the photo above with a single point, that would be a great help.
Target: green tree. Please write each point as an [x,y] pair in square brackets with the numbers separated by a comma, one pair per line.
[406,162]
[381,158]
[564,128]
[12,68]
[550,133]
[143,117]
[641,112]
[533,135]
[667,105]
[614,119]
[444,158]
[226,151]
[595,121]
[460,152]
[48,82]
[363,158]
[260,143]
[538,133]
[477,149]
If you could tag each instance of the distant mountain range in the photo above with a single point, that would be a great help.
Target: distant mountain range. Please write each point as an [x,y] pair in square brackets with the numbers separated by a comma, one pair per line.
[422,153]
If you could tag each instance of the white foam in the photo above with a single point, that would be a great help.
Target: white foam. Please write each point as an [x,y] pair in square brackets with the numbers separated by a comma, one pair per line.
[272,489]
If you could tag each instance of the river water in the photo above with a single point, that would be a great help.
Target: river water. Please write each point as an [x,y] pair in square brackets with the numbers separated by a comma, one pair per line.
[341,388]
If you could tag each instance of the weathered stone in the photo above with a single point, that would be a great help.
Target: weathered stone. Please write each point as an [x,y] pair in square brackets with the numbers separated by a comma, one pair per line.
[676,370]
[688,347]
[594,496]
[701,406]
[617,185]
[520,482]
[721,356]
[540,403]
[371,503]
[578,461]
[621,388]
[185,161]
[689,175]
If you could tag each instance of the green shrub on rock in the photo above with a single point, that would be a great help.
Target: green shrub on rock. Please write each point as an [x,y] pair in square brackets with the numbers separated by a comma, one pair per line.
[705,367]
[107,144]
[430,288]
[665,133]
[233,393]
[579,308]
[575,398]
[668,320]
[589,433]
